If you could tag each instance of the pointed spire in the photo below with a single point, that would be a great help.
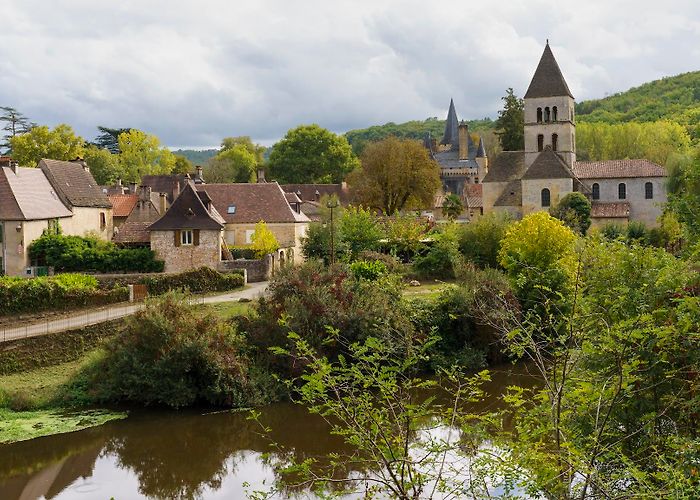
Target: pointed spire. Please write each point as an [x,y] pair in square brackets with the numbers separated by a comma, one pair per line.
[451,127]
[548,80]
[481,151]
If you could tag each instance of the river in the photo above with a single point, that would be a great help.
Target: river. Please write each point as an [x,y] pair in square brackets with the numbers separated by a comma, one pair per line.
[183,454]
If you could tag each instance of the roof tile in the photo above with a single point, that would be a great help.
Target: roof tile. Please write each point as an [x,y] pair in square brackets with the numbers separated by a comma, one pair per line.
[612,169]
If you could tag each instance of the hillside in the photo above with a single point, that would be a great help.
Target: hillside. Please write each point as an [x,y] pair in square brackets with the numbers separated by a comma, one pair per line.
[197,156]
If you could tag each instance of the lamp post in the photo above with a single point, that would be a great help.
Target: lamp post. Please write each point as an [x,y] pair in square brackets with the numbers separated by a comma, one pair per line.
[331,204]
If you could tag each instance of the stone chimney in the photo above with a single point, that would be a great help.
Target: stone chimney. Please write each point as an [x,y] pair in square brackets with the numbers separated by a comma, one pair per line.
[463,141]
[200,178]
[144,194]
[261,176]
[162,203]
[119,187]
[132,188]
[14,165]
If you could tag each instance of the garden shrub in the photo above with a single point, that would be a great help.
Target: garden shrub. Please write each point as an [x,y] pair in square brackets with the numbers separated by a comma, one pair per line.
[637,231]
[242,252]
[480,240]
[170,355]
[392,264]
[76,253]
[63,291]
[202,279]
[441,258]
[368,270]
[612,231]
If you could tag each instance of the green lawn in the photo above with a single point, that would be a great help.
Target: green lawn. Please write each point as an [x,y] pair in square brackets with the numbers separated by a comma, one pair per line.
[228,309]
[427,289]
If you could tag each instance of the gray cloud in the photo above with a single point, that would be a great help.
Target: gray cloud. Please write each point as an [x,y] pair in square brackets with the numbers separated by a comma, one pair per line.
[193,73]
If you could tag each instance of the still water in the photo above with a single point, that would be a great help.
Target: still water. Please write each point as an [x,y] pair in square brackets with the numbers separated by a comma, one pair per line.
[186,454]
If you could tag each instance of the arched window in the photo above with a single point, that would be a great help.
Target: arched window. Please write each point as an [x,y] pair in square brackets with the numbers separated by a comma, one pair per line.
[546,114]
[540,142]
[596,191]
[649,191]
[555,138]
[554,113]
[622,191]
[545,197]
[539,115]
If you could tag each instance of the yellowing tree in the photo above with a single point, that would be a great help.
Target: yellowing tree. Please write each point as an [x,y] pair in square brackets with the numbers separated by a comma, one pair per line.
[142,154]
[264,241]
[61,143]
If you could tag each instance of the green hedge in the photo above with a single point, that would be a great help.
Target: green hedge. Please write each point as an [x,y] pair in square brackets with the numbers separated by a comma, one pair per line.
[203,279]
[24,295]
[76,253]
[243,253]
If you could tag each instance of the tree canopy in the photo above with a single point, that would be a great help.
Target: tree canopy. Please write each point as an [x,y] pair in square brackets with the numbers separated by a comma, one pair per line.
[395,174]
[574,210]
[509,125]
[234,164]
[104,166]
[142,154]
[246,142]
[61,143]
[311,154]
[15,124]
[109,138]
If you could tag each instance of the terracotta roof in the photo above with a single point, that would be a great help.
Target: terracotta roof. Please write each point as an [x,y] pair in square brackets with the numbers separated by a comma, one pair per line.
[507,166]
[133,232]
[610,210]
[308,192]
[512,195]
[122,204]
[548,165]
[611,169]
[473,194]
[188,212]
[548,80]
[28,195]
[74,184]
[252,203]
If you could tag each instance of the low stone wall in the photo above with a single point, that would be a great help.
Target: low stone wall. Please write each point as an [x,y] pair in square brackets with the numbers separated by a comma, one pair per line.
[256,270]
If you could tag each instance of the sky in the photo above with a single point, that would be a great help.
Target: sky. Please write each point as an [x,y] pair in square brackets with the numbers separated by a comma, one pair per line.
[195,72]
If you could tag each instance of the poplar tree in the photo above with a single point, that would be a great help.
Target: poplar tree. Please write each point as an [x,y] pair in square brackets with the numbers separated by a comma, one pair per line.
[510,123]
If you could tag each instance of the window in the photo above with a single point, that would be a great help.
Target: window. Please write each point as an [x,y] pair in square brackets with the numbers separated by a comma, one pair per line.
[103,221]
[596,191]
[231,209]
[649,191]
[622,191]
[545,197]
[540,142]
[546,114]
[249,236]
[554,113]
[539,115]
[555,138]
[186,237]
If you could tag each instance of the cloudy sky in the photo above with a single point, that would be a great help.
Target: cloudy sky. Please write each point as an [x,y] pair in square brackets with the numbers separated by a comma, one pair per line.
[194,72]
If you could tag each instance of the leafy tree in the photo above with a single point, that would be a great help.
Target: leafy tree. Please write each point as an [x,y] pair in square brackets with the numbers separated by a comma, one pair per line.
[395,174]
[235,164]
[109,138]
[263,240]
[142,154]
[405,235]
[509,124]
[61,143]
[442,258]
[452,207]
[104,166]
[15,124]
[256,150]
[574,210]
[480,240]
[182,165]
[684,190]
[359,231]
[311,154]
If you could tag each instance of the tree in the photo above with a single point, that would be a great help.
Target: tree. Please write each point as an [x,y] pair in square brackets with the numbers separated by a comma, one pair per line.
[109,138]
[452,207]
[311,154]
[256,150]
[395,174]
[359,230]
[15,124]
[235,164]
[574,210]
[263,240]
[684,190]
[182,165]
[104,166]
[509,124]
[142,154]
[480,240]
[61,143]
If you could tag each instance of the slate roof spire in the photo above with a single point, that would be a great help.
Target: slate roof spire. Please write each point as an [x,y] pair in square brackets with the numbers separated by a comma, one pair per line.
[451,127]
[548,80]
[481,151]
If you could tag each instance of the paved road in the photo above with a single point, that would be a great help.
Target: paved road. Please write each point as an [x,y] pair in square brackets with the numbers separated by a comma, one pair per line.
[94,316]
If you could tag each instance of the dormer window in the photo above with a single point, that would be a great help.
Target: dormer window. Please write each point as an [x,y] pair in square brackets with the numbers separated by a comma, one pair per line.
[231,209]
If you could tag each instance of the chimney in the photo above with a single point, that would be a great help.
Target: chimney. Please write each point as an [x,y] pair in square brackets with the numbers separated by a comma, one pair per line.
[132,188]
[317,195]
[163,203]
[144,194]
[14,165]
[463,141]
[261,176]
[199,179]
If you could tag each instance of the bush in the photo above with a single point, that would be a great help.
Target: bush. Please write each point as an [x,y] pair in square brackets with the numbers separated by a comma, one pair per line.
[76,253]
[441,259]
[637,231]
[242,253]
[23,295]
[391,263]
[574,210]
[612,232]
[480,240]
[203,279]
[359,230]
[368,270]
[169,355]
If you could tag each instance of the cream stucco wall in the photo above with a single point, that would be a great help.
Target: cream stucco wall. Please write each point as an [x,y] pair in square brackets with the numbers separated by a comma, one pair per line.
[641,209]
[184,257]
[87,220]
[532,193]
[288,235]
[16,243]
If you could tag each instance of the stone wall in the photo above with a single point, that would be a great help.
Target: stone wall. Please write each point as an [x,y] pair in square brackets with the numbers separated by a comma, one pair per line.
[256,270]
[532,193]
[641,209]
[184,257]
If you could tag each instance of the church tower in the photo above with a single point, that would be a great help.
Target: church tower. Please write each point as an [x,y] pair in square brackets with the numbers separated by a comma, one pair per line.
[549,113]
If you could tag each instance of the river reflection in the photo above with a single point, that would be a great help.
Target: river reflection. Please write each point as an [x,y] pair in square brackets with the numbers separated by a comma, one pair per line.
[176,454]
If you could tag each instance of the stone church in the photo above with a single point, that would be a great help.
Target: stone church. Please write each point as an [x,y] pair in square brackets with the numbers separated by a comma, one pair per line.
[522,182]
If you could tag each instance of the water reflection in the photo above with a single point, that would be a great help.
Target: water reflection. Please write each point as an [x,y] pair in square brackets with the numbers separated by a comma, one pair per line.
[174,455]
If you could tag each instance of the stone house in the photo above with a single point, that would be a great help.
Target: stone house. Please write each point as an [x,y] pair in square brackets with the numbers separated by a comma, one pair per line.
[522,182]
[122,205]
[133,232]
[189,234]
[242,206]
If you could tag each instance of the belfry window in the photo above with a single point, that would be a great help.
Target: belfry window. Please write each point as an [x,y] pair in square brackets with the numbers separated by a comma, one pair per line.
[648,191]
[554,113]
[546,114]
[596,191]
[622,191]
[540,142]
[545,197]
[539,115]
[555,139]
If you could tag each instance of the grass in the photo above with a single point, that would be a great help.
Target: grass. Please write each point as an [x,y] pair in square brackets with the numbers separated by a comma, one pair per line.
[227,310]
[429,290]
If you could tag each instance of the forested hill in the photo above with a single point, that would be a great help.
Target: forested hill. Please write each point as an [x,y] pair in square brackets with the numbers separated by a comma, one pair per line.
[675,98]
[197,156]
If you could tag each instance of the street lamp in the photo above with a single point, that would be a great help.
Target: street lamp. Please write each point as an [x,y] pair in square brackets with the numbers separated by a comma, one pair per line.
[331,204]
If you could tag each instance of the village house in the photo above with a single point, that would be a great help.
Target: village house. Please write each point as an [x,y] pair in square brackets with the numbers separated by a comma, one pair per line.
[147,209]
[311,194]
[522,182]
